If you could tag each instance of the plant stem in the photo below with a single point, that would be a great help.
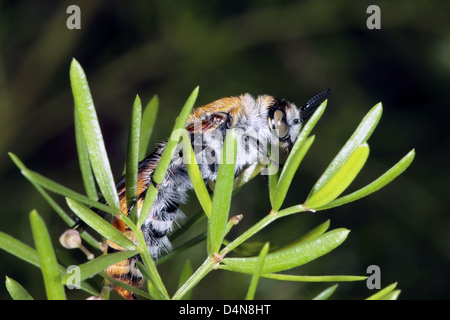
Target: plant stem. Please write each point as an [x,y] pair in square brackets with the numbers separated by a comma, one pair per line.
[271,217]
[199,274]
[209,263]
[150,265]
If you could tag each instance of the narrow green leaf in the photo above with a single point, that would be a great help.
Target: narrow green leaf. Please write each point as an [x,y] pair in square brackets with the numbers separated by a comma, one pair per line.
[95,266]
[152,290]
[166,157]
[257,272]
[186,273]
[359,136]
[64,191]
[148,123]
[341,178]
[317,231]
[67,193]
[376,185]
[28,254]
[83,159]
[222,194]
[273,181]
[100,225]
[41,182]
[19,249]
[57,188]
[131,180]
[249,249]
[293,256]
[178,129]
[311,123]
[183,247]
[299,278]
[378,295]
[393,295]
[16,291]
[296,156]
[64,215]
[86,286]
[325,294]
[126,286]
[151,266]
[195,175]
[47,258]
[198,275]
[92,134]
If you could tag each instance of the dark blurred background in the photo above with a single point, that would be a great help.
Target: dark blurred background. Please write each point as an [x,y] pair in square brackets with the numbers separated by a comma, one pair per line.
[289,49]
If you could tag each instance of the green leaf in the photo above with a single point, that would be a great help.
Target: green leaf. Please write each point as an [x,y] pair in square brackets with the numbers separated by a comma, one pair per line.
[150,266]
[92,134]
[299,278]
[273,180]
[148,123]
[126,286]
[376,185]
[95,266]
[37,180]
[195,175]
[166,157]
[257,272]
[317,231]
[198,275]
[19,249]
[383,292]
[28,254]
[177,131]
[393,295]
[291,257]
[47,258]
[83,159]
[131,180]
[16,291]
[339,179]
[222,194]
[57,188]
[309,126]
[248,249]
[152,290]
[100,225]
[186,273]
[183,247]
[296,156]
[359,136]
[325,294]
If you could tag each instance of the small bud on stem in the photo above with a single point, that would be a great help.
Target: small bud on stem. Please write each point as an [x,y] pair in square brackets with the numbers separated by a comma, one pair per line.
[71,239]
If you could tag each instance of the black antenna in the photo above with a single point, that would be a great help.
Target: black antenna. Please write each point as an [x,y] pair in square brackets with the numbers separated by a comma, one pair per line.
[312,105]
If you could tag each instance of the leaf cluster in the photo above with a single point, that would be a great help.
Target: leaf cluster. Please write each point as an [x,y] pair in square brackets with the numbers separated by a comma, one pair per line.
[97,177]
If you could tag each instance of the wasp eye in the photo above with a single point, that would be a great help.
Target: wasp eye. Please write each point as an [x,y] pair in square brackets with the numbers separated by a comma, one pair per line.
[279,123]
